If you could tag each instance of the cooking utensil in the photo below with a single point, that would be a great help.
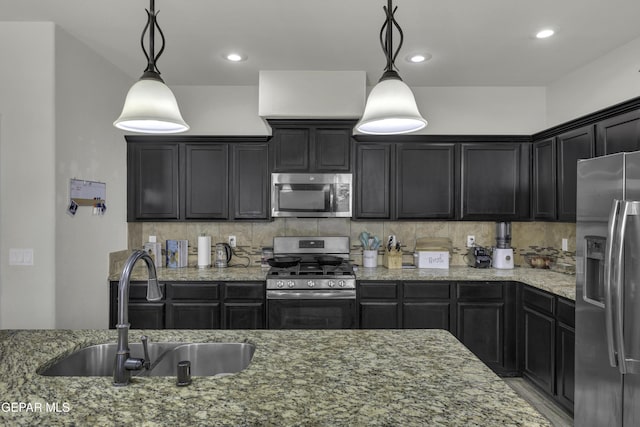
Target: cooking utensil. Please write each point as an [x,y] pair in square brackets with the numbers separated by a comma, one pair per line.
[376,243]
[364,239]
[284,261]
[329,260]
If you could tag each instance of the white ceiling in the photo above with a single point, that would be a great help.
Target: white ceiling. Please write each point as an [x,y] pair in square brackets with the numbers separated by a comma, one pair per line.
[473,42]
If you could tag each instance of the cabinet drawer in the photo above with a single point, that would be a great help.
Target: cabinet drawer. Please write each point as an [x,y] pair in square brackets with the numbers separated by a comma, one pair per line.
[138,291]
[537,299]
[204,291]
[373,290]
[244,291]
[426,290]
[566,312]
[480,290]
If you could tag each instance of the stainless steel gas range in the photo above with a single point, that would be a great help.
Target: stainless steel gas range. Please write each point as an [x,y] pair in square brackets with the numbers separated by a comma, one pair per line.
[311,284]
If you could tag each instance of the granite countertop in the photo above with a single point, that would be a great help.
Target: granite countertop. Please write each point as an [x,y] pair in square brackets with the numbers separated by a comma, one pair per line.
[560,284]
[327,378]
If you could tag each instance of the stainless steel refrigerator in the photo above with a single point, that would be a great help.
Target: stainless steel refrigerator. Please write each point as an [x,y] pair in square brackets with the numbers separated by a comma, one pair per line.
[607,382]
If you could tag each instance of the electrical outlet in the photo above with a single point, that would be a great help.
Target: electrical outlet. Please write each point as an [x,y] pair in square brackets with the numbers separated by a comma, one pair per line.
[232,241]
[471,241]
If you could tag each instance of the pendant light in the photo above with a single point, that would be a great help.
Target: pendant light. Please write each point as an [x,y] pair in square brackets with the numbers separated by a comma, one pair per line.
[391,107]
[150,106]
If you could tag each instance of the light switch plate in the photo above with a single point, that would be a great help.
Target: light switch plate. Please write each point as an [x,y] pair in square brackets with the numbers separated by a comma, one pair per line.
[21,256]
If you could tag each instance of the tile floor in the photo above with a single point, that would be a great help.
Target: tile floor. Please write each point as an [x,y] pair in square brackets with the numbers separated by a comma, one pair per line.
[554,413]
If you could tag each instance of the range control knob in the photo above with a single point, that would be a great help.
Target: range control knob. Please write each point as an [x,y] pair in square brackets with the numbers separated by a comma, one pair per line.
[291,283]
[311,283]
[341,283]
[280,283]
[332,283]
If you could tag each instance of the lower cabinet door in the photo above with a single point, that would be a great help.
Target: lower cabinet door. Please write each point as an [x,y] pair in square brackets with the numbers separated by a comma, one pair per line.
[565,366]
[426,315]
[379,315]
[193,315]
[480,327]
[146,315]
[539,349]
[244,315]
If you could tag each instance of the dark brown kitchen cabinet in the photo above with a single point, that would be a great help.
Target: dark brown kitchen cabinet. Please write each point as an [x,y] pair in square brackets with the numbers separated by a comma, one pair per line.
[486,322]
[565,353]
[539,338]
[207,183]
[494,181]
[405,181]
[146,315]
[618,134]
[153,179]
[193,306]
[197,178]
[544,179]
[427,305]
[373,185]
[379,305]
[244,305]
[549,344]
[142,313]
[251,182]
[311,145]
[425,181]
[571,147]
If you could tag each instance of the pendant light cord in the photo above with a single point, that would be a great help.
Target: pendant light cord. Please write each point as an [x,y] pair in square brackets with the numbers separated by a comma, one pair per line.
[152,23]
[386,41]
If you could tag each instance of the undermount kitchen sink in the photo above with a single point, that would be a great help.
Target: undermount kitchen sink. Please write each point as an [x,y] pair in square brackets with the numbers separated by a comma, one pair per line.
[207,359]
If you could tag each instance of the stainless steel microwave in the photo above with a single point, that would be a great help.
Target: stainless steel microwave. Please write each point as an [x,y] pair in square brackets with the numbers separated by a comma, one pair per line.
[319,195]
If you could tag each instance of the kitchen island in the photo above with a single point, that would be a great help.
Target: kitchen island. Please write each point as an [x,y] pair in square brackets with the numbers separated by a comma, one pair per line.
[332,378]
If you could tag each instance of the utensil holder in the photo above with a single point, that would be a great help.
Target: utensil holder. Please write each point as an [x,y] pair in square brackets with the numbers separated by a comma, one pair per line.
[392,259]
[369,258]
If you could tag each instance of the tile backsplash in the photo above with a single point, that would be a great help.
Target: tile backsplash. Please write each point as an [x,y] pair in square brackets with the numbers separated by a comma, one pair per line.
[543,238]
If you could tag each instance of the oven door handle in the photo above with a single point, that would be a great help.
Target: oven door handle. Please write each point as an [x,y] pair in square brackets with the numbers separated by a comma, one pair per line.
[312,294]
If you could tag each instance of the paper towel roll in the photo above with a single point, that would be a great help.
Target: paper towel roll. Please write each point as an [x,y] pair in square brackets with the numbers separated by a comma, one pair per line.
[204,251]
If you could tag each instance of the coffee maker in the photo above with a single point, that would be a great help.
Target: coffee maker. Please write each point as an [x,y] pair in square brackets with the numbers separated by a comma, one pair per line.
[503,253]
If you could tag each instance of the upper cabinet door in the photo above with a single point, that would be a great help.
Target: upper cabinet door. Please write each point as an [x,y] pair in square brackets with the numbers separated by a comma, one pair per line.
[251,181]
[494,181]
[206,191]
[311,145]
[425,181]
[291,149]
[544,179]
[372,196]
[618,134]
[571,147]
[332,149]
[153,181]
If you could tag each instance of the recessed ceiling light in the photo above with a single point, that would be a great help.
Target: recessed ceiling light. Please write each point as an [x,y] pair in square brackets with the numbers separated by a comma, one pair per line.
[235,57]
[417,58]
[543,34]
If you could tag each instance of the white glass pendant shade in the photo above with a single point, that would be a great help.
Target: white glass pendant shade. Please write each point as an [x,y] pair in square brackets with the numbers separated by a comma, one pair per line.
[391,109]
[151,107]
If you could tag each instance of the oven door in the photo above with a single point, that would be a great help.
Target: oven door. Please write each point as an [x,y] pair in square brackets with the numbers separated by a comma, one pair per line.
[311,309]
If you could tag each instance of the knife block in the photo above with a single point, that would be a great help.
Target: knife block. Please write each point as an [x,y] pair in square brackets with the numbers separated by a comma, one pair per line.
[392,259]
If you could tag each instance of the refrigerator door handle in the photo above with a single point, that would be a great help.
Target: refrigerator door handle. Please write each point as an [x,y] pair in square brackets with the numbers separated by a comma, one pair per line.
[626,365]
[612,237]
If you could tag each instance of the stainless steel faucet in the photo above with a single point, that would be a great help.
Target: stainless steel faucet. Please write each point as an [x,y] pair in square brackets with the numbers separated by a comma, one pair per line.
[124,363]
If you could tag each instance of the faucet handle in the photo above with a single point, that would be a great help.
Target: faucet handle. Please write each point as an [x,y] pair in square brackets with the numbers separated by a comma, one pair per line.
[147,359]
